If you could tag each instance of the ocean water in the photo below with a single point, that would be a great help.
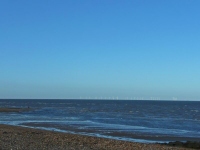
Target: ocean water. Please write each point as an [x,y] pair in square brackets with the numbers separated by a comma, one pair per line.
[140,121]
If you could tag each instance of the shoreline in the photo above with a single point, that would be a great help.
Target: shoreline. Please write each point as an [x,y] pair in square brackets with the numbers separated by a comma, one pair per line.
[30,136]
[115,134]
[15,137]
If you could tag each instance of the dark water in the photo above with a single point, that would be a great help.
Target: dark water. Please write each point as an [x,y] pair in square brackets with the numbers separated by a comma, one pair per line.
[142,121]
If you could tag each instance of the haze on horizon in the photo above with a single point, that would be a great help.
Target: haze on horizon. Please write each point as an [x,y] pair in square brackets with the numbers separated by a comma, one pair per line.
[81,49]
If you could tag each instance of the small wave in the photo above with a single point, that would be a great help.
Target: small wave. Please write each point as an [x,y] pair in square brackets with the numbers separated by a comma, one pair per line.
[195,110]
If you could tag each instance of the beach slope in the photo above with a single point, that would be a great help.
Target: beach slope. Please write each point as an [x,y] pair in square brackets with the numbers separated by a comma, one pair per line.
[13,137]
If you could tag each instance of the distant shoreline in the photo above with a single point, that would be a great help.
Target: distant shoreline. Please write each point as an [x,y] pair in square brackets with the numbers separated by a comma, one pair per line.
[10,109]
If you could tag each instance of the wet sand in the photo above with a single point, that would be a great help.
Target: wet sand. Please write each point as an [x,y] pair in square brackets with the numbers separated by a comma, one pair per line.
[13,137]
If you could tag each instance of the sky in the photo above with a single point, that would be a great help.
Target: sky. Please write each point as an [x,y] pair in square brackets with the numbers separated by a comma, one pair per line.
[104,49]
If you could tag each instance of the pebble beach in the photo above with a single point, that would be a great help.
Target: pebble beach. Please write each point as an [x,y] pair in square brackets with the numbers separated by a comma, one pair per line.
[21,138]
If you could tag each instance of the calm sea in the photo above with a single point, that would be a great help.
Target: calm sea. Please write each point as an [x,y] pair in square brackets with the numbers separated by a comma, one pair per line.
[142,121]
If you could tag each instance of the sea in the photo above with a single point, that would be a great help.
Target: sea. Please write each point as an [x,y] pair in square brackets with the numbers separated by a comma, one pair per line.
[130,120]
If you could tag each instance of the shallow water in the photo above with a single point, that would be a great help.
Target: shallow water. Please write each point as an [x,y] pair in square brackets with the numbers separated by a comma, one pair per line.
[126,120]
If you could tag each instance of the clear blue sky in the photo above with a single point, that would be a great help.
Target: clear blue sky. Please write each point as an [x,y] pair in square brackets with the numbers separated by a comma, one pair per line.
[100,48]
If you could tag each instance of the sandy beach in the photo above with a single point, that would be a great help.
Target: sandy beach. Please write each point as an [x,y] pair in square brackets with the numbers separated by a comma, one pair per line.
[13,137]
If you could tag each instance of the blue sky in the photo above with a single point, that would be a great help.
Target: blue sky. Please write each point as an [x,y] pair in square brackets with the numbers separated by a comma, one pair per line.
[93,49]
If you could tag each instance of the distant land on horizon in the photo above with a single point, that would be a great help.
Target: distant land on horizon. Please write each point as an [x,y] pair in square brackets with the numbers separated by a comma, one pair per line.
[84,99]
